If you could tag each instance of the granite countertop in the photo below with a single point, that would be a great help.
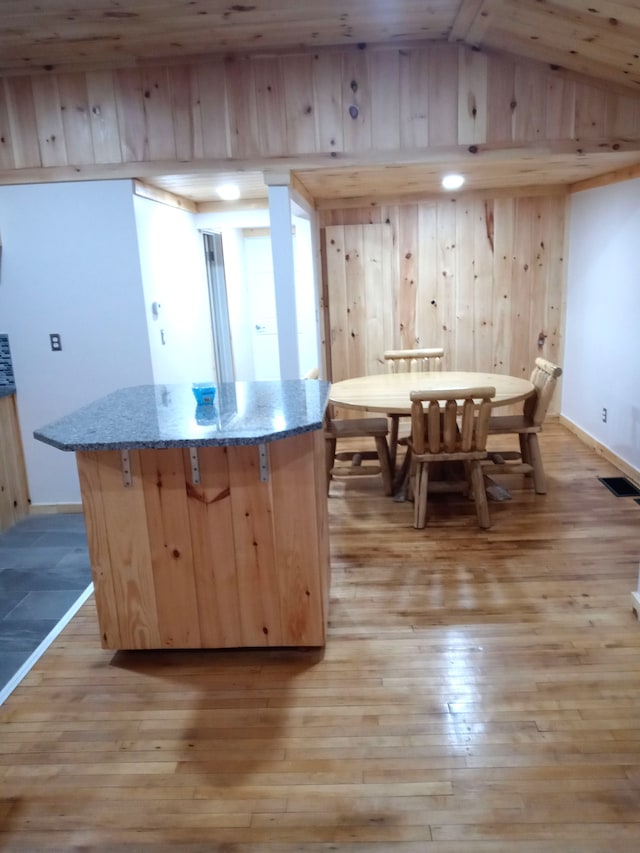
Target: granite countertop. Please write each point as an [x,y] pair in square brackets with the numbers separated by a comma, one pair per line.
[7,390]
[161,416]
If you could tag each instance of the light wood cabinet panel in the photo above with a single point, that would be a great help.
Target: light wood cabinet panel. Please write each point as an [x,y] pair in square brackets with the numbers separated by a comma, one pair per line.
[229,561]
[14,492]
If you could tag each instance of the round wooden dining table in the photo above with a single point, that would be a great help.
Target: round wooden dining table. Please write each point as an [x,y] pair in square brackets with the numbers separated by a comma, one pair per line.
[389,392]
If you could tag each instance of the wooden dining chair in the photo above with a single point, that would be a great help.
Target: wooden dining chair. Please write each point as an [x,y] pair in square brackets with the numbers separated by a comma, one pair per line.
[337,429]
[455,432]
[355,428]
[526,426]
[413,360]
[417,360]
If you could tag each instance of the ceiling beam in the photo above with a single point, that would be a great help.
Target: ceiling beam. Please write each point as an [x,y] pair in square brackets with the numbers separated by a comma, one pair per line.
[448,156]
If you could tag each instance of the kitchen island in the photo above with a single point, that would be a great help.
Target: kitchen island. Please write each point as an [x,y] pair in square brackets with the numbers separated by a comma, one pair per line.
[207,525]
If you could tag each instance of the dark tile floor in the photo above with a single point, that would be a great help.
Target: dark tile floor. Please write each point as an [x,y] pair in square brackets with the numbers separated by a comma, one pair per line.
[44,568]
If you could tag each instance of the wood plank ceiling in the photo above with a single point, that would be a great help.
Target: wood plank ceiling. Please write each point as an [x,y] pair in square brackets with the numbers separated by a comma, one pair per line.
[600,38]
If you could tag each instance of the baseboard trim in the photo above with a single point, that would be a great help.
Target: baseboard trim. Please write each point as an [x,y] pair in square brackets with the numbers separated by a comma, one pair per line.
[54,509]
[627,469]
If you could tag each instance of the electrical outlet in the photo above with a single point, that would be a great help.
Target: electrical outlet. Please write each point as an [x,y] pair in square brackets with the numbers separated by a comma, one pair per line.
[56,343]
[604,416]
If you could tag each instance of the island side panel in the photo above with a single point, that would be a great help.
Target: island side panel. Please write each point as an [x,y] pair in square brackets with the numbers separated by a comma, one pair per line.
[216,576]
[322,513]
[116,521]
[165,495]
[253,535]
[298,530]
[211,564]
[98,543]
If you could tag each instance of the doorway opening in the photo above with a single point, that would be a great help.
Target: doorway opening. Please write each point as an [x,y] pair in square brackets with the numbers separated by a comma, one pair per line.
[219,306]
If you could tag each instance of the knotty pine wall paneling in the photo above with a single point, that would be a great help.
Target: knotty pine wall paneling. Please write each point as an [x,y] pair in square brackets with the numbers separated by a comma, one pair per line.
[381,104]
[482,277]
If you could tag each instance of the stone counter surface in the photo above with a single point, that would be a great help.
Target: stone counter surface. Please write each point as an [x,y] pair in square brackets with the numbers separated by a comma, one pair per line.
[163,416]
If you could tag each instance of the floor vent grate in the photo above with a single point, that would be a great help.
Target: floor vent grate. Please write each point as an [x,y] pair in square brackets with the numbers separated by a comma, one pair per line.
[621,487]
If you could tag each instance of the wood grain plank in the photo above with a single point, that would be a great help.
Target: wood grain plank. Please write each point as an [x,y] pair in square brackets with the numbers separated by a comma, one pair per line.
[214,110]
[483,280]
[21,116]
[327,96]
[102,570]
[46,102]
[408,251]
[270,105]
[14,491]
[185,111]
[384,75]
[443,117]
[160,141]
[504,218]
[297,546]
[298,75]
[216,576]
[464,354]
[447,280]
[171,551]
[129,93]
[105,129]
[129,556]
[427,327]
[251,510]
[472,97]
[356,269]
[244,134]
[414,98]
[501,100]
[6,143]
[375,301]
[76,118]
[356,103]
[337,301]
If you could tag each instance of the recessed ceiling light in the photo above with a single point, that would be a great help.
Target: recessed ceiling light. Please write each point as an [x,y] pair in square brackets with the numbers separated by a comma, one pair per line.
[228,192]
[452,182]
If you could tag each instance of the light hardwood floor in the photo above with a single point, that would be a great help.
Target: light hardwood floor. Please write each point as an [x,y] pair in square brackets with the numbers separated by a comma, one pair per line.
[479,691]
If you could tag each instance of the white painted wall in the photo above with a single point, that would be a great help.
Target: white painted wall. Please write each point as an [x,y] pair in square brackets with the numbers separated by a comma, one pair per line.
[239,304]
[281,218]
[174,277]
[69,265]
[261,319]
[602,341]
[307,301]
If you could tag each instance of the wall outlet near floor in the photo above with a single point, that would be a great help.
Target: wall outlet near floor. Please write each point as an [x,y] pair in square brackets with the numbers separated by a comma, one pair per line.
[604,416]
[56,343]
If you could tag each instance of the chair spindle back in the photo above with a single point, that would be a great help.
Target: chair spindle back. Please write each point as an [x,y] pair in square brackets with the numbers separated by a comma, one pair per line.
[414,360]
[544,377]
[436,429]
